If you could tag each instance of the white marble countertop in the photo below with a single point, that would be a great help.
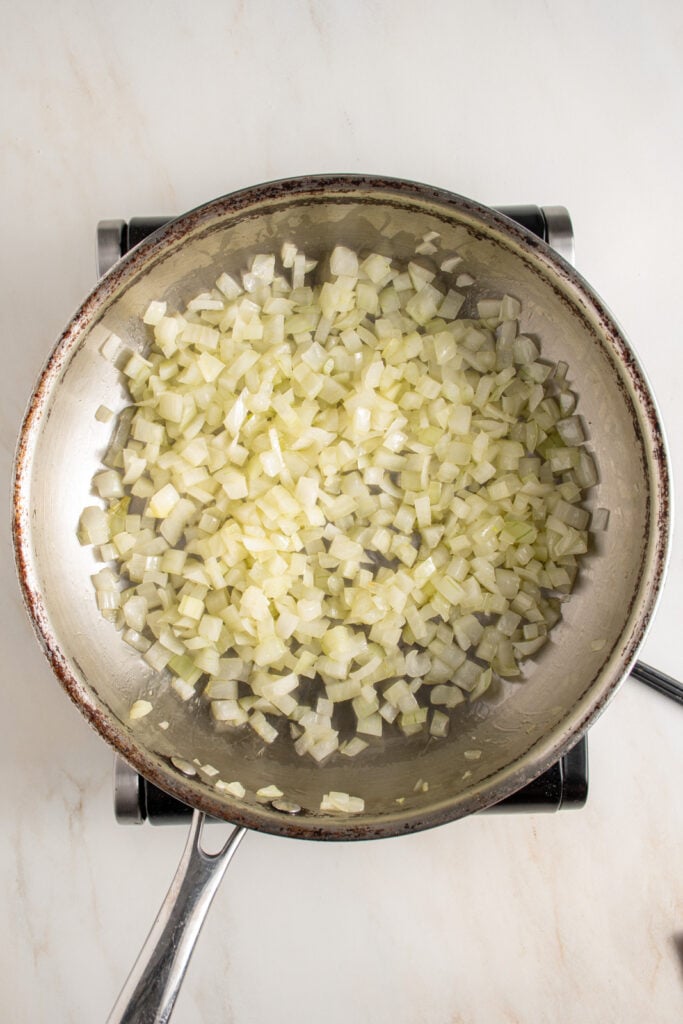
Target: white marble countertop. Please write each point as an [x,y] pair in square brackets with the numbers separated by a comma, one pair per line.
[127,109]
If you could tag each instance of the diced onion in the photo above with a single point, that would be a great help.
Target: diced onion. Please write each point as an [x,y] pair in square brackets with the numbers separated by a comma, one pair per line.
[103,414]
[139,709]
[341,492]
[231,788]
[269,793]
[343,803]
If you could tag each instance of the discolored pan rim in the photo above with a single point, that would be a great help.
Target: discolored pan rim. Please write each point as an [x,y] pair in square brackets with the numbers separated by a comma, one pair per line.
[597,692]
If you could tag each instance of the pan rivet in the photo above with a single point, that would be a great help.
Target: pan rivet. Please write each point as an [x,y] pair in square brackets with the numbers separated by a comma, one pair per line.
[287,806]
[183,766]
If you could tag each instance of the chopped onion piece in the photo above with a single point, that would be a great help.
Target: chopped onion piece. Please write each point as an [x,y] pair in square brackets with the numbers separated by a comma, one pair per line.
[231,788]
[269,793]
[262,727]
[155,311]
[93,526]
[450,263]
[439,724]
[183,689]
[342,802]
[103,414]
[600,519]
[139,709]
[353,747]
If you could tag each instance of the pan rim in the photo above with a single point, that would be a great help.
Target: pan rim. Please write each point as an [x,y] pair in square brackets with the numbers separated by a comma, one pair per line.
[597,693]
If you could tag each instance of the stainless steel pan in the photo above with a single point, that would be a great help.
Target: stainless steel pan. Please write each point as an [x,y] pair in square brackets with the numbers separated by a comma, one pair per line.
[521,730]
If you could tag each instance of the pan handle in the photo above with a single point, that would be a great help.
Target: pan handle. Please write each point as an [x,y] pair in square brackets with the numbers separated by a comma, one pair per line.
[150,992]
[658,681]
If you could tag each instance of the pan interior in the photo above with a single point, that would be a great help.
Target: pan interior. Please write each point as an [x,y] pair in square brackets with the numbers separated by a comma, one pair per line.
[522,727]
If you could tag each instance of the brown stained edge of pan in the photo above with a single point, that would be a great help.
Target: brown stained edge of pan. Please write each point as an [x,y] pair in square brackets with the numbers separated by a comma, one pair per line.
[330,829]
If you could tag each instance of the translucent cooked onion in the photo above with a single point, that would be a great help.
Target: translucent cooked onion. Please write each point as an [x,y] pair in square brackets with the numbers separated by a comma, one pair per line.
[339,493]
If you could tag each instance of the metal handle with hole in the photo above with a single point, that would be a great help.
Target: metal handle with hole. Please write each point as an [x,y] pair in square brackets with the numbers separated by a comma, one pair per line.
[150,992]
